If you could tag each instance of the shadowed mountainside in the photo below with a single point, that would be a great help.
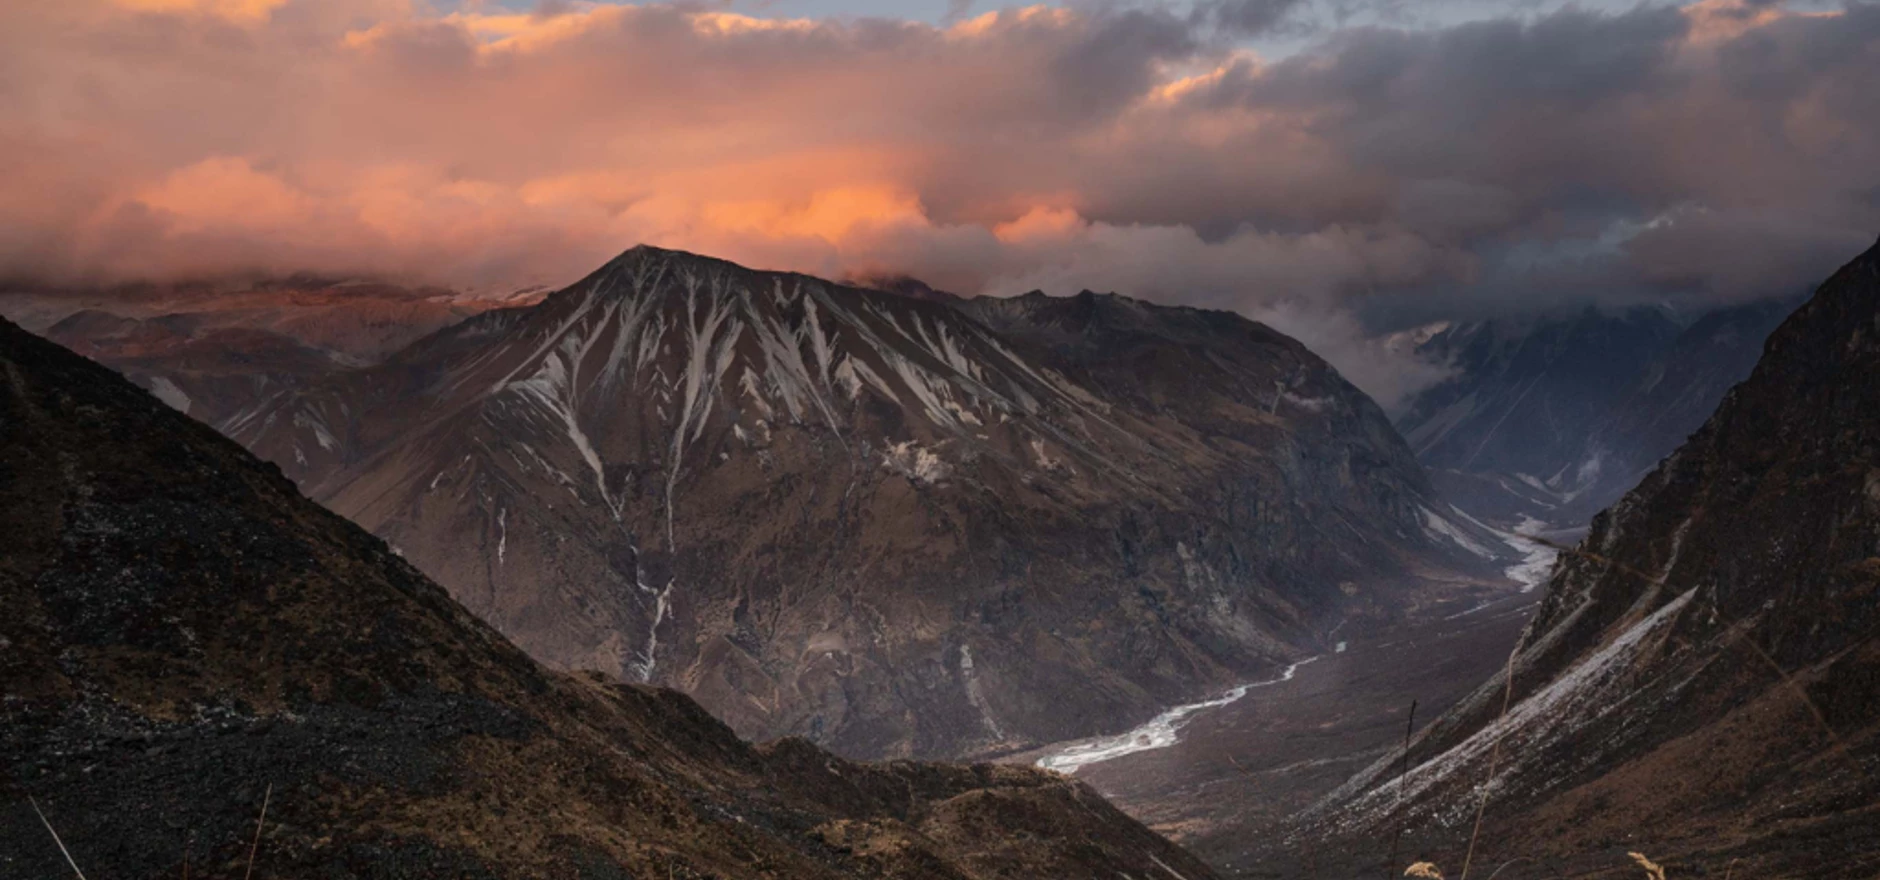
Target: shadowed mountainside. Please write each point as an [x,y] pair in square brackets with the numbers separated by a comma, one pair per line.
[1556,420]
[186,636]
[1702,679]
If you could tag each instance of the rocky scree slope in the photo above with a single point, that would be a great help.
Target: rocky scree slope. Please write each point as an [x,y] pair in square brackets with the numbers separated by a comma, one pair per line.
[1702,679]
[186,637]
[897,526]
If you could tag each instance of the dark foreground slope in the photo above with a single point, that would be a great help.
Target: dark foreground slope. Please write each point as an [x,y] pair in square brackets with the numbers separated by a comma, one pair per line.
[185,636]
[1702,680]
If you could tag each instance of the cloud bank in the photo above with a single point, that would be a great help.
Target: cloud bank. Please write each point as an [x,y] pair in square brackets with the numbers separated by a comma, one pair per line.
[1713,153]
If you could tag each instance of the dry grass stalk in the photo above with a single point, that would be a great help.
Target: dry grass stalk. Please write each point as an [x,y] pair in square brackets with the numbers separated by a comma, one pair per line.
[1403,781]
[258,824]
[1505,866]
[1652,869]
[1494,759]
[55,838]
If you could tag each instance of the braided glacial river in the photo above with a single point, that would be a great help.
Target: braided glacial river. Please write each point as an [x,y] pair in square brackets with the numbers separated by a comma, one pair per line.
[1160,732]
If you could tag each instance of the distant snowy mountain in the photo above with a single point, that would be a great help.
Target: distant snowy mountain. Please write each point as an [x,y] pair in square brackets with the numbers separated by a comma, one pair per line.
[1702,679]
[1552,420]
[894,524]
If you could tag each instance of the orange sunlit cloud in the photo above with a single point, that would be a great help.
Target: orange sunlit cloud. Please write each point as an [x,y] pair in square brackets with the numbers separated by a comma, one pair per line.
[1048,145]
[211,192]
[239,10]
[1719,20]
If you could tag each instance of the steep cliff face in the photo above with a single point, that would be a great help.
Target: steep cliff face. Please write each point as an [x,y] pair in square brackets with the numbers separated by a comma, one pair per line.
[1702,679]
[894,525]
[188,640]
[1555,420]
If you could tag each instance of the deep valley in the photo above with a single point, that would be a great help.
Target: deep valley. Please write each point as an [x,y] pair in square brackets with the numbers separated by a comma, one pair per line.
[921,440]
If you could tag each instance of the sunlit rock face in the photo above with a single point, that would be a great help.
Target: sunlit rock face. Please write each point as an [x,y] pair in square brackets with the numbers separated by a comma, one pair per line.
[895,525]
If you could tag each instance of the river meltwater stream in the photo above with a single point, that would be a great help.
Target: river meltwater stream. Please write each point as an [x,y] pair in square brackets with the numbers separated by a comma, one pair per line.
[1160,732]
[1165,730]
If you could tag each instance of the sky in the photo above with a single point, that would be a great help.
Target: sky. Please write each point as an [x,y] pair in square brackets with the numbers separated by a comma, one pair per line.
[1343,169]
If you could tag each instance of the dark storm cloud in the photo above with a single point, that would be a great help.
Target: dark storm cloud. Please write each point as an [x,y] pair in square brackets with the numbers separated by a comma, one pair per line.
[1654,153]
[1246,17]
[1117,61]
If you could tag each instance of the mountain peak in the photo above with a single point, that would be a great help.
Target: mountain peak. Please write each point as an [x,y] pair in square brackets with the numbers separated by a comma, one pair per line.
[621,436]
[187,638]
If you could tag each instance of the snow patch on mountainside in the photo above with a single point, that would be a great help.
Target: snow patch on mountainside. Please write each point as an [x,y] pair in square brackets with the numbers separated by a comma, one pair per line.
[1537,558]
[166,391]
[1573,701]
[919,465]
[1440,528]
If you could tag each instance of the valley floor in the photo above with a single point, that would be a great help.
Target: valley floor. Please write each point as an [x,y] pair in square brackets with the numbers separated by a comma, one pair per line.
[1229,785]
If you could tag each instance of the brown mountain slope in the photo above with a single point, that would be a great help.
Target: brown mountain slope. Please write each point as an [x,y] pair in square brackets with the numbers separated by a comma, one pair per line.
[212,349]
[185,636]
[1702,680]
[873,520]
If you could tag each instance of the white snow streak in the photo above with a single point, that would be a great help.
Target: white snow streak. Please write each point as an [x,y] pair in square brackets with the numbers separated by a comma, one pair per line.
[502,534]
[553,388]
[1570,702]
[166,391]
[706,352]
[661,604]
[1164,866]
[1439,527]
[973,694]
[310,420]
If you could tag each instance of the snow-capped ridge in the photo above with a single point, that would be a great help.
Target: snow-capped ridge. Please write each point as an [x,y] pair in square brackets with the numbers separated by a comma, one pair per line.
[670,469]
